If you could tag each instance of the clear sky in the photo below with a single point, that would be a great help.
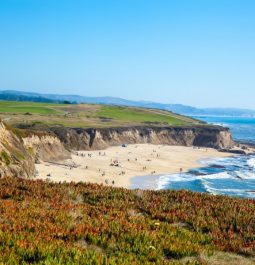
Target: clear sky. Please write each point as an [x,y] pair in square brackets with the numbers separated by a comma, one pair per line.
[200,53]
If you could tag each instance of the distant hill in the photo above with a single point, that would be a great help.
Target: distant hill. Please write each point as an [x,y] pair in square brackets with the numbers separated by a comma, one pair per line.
[177,108]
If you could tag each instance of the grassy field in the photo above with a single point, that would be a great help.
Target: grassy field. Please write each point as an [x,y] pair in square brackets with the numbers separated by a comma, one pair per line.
[27,107]
[86,115]
[46,223]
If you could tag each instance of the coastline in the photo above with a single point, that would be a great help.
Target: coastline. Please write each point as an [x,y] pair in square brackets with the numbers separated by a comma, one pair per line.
[132,166]
[152,182]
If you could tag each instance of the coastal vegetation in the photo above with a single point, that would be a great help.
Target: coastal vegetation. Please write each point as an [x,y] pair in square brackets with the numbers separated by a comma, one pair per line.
[87,115]
[53,223]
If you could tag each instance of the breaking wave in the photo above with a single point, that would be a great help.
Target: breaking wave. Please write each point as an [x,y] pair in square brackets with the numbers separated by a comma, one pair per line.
[234,176]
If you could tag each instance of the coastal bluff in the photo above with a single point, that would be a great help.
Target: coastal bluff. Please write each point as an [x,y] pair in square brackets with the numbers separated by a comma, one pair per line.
[15,159]
[100,138]
[20,149]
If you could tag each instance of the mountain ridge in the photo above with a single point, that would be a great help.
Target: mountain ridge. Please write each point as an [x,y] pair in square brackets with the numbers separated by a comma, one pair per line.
[177,108]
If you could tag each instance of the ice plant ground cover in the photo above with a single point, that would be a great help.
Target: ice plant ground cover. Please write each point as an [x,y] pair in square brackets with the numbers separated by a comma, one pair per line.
[51,223]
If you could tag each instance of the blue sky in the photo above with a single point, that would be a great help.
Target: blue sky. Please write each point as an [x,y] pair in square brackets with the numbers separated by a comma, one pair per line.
[200,53]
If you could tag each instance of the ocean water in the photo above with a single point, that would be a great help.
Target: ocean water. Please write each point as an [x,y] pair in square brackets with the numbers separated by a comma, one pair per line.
[233,176]
[242,128]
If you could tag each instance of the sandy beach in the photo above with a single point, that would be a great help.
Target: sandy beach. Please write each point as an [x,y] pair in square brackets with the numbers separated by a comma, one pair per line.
[118,165]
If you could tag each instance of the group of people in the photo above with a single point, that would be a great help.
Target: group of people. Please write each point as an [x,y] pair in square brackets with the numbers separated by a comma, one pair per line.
[135,159]
[83,155]
[154,151]
[107,182]
[115,163]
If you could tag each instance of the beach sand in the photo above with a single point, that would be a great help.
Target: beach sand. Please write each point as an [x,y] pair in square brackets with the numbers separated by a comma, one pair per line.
[122,164]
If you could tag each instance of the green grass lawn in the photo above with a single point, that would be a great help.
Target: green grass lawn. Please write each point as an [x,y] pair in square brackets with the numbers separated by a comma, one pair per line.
[87,115]
[27,107]
[138,115]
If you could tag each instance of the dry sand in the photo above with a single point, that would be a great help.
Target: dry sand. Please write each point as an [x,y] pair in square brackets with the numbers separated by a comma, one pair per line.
[131,160]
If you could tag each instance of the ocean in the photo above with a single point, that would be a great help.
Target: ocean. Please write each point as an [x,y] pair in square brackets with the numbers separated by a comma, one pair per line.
[233,176]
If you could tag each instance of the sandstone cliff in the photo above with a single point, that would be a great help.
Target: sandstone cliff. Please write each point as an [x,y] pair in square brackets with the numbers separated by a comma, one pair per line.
[86,139]
[19,151]
[46,147]
[15,159]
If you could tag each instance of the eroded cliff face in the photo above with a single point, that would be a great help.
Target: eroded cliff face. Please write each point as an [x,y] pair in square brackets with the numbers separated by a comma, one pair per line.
[18,153]
[92,139]
[46,148]
[15,159]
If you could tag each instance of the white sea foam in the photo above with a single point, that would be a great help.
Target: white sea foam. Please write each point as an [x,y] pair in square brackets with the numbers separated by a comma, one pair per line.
[245,174]
[251,194]
[222,175]
[220,124]
[211,190]
[164,180]
[251,162]
[207,161]
[218,191]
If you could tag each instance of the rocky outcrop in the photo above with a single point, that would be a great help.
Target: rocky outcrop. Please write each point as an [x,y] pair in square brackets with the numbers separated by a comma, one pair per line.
[46,147]
[15,159]
[91,139]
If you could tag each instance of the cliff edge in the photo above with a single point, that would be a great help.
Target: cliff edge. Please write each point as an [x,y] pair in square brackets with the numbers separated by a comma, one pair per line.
[92,139]
[20,150]
[15,159]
